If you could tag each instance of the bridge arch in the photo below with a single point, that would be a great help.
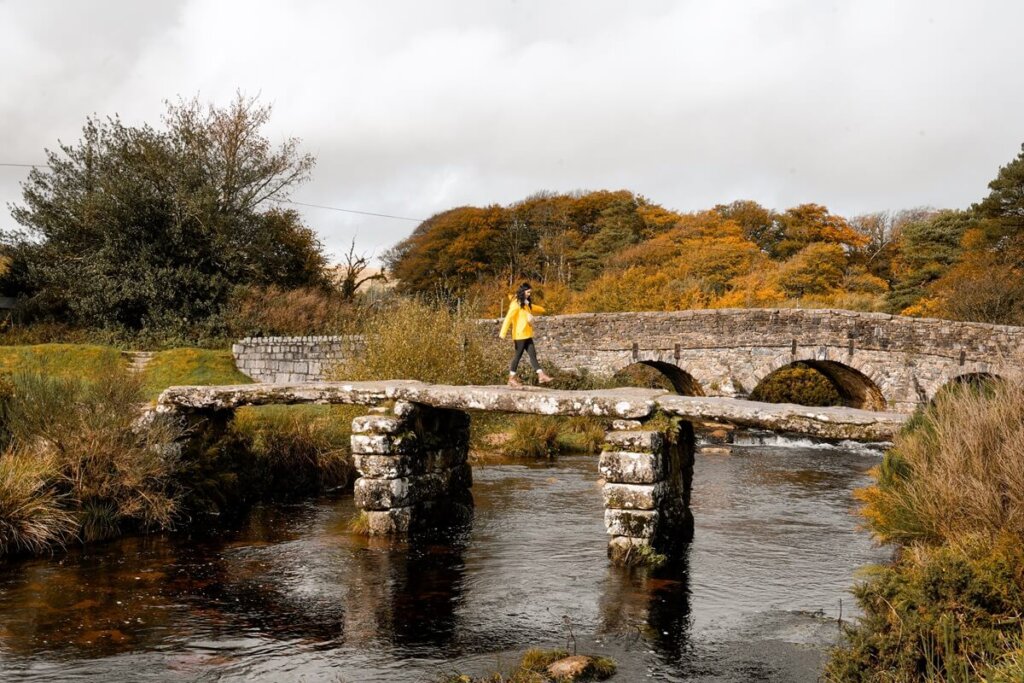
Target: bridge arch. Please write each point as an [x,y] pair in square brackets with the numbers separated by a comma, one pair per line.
[972,380]
[647,373]
[855,388]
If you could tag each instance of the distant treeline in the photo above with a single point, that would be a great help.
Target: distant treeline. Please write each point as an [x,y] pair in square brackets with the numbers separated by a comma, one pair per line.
[617,251]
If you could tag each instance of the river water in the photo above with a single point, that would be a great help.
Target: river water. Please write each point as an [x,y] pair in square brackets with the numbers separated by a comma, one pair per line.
[289,594]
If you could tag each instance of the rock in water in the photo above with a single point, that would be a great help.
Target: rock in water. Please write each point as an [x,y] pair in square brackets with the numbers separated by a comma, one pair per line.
[571,668]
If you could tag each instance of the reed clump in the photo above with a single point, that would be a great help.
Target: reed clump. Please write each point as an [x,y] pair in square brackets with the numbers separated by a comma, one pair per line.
[79,463]
[950,495]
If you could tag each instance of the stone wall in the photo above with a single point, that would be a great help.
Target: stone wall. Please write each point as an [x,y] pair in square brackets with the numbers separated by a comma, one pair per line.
[725,352]
[292,359]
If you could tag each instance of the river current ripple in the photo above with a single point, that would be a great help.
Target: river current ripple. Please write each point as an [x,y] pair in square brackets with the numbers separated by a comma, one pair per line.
[288,594]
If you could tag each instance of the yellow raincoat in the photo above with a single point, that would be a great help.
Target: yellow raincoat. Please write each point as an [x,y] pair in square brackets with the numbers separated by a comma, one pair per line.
[519,320]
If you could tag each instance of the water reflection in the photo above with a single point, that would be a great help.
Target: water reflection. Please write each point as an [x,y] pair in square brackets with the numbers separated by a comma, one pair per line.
[290,593]
[652,606]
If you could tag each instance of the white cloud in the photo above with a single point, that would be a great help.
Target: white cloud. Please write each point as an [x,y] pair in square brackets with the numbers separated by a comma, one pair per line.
[415,107]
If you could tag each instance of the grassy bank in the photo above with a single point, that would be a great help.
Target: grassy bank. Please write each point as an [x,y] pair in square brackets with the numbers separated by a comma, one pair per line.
[68,361]
[950,496]
[77,465]
[190,366]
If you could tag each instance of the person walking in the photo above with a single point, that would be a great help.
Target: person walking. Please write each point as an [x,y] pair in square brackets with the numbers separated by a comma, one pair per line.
[520,320]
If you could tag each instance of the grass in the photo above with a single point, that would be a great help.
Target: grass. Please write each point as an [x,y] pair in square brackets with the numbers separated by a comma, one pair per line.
[78,463]
[950,494]
[413,339]
[69,361]
[190,366]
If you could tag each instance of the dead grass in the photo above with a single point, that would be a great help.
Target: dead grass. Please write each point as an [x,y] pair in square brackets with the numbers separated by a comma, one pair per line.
[957,473]
[412,339]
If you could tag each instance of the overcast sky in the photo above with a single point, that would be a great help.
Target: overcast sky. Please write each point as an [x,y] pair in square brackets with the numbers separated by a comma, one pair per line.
[414,107]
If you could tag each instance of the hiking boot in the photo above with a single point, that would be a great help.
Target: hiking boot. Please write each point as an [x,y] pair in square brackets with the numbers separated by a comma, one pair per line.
[544,378]
[514,382]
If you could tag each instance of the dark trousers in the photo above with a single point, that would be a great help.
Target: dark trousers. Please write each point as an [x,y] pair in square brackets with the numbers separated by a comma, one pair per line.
[528,346]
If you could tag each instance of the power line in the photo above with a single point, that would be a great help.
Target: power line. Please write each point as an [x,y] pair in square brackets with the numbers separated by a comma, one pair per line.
[279,201]
[364,213]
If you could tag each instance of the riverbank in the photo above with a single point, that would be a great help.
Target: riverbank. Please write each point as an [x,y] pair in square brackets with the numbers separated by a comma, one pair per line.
[950,496]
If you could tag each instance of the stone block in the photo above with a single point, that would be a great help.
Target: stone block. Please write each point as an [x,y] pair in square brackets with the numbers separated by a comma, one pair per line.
[383,444]
[626,425]
[383,494]
[622,548]
[632,468]
[393,522]
[635,442]
[378,424]
[632,523]
[635,496]
[387,466]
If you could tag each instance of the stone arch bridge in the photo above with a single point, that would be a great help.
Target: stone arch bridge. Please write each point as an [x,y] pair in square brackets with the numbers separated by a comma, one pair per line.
[877,361]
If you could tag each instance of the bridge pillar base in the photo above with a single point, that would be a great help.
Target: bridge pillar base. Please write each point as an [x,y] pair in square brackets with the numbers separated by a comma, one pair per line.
[648,476]
[413,467]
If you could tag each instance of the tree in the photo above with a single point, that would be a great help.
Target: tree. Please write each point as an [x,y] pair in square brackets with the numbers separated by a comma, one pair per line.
[136,227]
[925,250]
[352,277]
[807,223]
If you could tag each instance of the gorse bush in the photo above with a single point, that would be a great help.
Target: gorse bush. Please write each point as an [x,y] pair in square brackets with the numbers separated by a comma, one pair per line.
[939,614]
[951,493]
[416,339]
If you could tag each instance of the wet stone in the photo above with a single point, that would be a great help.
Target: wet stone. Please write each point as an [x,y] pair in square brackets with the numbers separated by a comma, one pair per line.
[393,522]
[631,523]
[632,468]
[378,424]
[383,444]
[636,442]
[635,496]
[377,466]
[620,548]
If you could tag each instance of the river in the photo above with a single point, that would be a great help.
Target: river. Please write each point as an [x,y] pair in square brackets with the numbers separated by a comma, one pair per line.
[288,594]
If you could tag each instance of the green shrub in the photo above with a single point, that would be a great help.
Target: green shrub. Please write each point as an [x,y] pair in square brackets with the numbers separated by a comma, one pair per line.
[951,492]
[938,614]
[412,339]
[800,384]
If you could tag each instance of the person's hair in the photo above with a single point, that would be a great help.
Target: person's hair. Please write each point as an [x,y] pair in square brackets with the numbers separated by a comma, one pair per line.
[521,295]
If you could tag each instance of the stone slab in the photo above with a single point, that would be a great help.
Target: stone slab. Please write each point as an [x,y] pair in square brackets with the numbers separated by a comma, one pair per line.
[634,496]
[636,442]
[631,468]
[384,444]
[632,523]
[378,424]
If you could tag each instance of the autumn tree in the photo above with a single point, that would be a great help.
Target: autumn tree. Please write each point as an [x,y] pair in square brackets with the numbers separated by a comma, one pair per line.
[925,251]
[151,227]
[807,223]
